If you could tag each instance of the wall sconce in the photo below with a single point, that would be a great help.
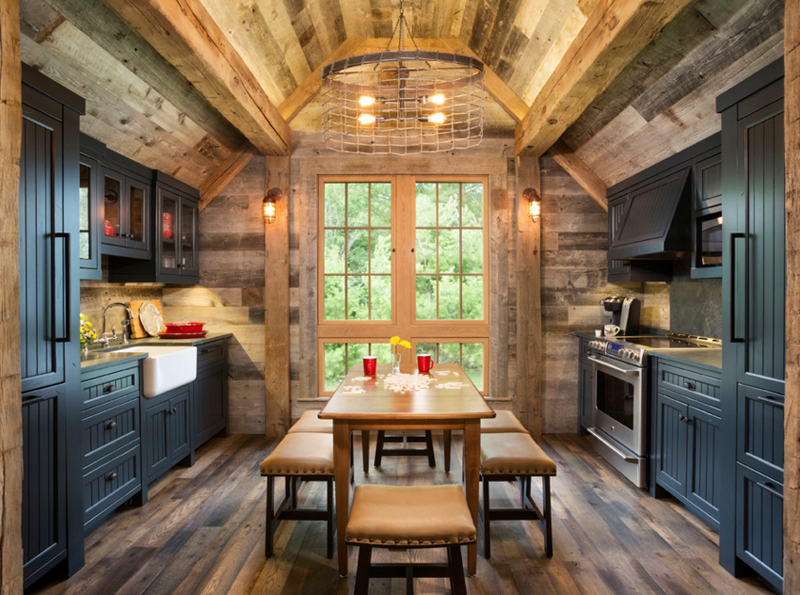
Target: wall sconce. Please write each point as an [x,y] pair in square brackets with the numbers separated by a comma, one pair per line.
[268,205]
[534,203]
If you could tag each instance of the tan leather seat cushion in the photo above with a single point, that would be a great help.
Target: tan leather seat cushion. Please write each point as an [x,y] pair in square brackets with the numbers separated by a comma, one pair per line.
[409,516]
[309,422]
[301,454]
[514,453]
[504,422]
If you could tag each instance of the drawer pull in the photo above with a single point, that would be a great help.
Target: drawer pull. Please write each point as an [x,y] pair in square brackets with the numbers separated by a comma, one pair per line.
[768,486]
[111,425]
[219,347]
[108,388]
[770,401]
[684,419]
[112,476]
[689,384]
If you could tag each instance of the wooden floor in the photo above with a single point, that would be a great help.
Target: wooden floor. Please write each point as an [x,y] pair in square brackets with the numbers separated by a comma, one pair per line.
[203,532]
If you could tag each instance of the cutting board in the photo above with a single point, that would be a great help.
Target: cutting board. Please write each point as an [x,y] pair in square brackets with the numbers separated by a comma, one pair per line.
[137,332]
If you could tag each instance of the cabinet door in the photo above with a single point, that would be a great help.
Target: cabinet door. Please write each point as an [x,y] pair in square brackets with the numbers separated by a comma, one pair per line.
[210,389]
[760,430]
[138,214]
[44,270]
[585,401]
[671,443]
[90,225]
[155,433]
[44,478]
[115,230]
[190,265]
[179,426]
[704,468]
[168,232]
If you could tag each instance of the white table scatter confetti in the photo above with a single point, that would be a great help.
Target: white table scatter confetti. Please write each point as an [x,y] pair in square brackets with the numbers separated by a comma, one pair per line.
[352,390]
[452,385]
[403,383]
[362,379]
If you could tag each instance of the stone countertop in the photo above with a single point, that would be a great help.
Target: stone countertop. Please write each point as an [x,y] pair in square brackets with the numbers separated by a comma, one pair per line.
[710,358]
[107,357]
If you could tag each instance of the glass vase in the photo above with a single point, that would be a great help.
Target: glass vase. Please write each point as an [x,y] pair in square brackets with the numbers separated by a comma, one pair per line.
[396,363]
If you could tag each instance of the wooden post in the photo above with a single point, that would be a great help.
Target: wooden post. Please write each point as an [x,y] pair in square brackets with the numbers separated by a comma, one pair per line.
[276,302]
[529,299]
[791,489]
[10,391]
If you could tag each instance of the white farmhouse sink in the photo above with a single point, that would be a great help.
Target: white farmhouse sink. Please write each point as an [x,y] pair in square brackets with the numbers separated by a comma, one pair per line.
[165,367]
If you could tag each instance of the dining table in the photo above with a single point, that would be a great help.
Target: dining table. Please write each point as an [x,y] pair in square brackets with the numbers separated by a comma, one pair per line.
[442,399]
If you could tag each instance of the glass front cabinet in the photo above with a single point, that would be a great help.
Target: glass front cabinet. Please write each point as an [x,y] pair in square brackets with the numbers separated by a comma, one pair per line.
[126,207]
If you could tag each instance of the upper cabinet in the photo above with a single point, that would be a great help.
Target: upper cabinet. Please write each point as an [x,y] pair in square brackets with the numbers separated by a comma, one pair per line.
[126,208]
[707,220]
[174,226]
[89,217]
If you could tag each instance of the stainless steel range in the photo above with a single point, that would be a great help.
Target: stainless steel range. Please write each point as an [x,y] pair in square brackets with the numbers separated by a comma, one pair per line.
[620,396]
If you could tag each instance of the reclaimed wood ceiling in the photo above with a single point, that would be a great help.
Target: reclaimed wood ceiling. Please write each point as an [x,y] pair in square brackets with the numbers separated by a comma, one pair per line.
[192,87]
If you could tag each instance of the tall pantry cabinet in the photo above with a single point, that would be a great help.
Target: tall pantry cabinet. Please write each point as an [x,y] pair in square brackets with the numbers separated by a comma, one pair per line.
[49,317]
[754,332]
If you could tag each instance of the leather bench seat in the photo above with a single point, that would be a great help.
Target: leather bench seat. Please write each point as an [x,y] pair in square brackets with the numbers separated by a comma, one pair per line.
[309,422]
[414,516]
[301,454]
[505,421]
[514,453]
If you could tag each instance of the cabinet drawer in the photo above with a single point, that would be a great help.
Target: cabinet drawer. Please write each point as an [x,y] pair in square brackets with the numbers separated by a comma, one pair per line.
[759,522]
[760,431]
[109,484]
[109,428]
[109,386]
[701,388]
[209,354]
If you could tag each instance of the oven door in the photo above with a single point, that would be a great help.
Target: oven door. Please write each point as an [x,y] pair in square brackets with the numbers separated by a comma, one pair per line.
[618,397]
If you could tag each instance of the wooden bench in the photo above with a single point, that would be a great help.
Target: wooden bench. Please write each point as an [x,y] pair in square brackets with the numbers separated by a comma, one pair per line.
[299,457]
[505,421]
[410,517]
[515,456]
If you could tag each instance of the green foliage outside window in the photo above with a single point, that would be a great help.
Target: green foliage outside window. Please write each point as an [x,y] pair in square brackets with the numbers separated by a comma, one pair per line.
[340,357]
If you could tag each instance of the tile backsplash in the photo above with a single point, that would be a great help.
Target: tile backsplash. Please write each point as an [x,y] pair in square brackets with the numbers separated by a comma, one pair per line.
[695,305]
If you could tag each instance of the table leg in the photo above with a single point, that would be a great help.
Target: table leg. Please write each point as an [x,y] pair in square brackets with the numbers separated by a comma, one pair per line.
[472,450]
[341,477]
[365,450]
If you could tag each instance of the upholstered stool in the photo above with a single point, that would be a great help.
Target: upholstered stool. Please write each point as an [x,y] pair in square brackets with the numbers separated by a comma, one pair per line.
[309,422]
[505,421]
[382,451]
[299,457]
[410,517]
[516,456]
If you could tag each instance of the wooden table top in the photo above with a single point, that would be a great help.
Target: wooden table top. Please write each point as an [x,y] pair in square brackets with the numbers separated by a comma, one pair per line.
[450,395]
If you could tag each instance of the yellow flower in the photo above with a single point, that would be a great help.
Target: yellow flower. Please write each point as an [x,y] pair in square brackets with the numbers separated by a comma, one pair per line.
[405,344]
[394,340]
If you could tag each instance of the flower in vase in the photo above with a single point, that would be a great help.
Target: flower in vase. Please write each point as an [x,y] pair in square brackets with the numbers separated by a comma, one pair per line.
[88,333]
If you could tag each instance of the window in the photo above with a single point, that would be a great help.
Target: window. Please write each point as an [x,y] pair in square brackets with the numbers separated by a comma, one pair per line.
[407,256]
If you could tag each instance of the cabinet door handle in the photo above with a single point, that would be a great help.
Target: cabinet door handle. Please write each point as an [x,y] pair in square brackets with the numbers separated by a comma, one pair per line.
[689,384]
[111,425]
[112,476]
[770,401]
[684,419]
[770,487]
[66,299]
[108,388]
[734,311]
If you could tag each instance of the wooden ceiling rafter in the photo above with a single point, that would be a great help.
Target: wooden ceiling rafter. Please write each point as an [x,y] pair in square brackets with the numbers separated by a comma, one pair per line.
[225,172]
[613,35]
[580,172]
[310,87]
[185,34]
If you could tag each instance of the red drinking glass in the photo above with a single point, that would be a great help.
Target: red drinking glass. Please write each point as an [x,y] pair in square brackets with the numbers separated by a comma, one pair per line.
[370,363]
[425,362]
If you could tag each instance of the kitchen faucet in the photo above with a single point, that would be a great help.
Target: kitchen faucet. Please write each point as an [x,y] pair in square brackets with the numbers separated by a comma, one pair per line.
[126,325]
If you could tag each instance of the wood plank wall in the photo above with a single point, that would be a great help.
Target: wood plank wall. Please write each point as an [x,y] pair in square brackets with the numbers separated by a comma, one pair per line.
[791,494]
[574,272]
[11,467]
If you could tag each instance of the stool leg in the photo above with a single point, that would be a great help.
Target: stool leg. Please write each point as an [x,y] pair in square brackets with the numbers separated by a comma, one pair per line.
[456,567]
[379,448]
[448,441]
[268,532]
[487,513]
[365,450]
[429,447]
[362,571]
[293,491]
[548,519]
[329,520]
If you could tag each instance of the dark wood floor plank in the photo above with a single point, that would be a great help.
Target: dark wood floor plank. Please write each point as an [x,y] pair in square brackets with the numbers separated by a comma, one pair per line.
[202,532]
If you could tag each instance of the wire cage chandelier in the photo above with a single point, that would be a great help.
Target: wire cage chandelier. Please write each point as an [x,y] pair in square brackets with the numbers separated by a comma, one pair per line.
[402,101]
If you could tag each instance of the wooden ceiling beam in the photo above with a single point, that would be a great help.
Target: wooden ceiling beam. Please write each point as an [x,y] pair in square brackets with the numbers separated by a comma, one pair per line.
[613,35]
[225,172]
[493,84]
[96,20]
[581,173]
[184,33]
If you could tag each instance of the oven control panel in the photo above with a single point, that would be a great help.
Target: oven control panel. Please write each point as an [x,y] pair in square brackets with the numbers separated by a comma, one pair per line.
[627,353]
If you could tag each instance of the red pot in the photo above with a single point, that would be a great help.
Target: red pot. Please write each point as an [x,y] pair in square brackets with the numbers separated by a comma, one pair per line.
[184,327]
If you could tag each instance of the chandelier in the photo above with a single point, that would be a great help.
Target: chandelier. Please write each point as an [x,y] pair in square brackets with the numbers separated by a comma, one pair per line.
[402,101]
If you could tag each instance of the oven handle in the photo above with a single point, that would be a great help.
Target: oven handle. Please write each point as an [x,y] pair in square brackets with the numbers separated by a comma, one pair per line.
[628,458]
[617,368]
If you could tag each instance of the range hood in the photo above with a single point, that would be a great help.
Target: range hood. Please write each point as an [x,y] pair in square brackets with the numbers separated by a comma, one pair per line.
[654,222]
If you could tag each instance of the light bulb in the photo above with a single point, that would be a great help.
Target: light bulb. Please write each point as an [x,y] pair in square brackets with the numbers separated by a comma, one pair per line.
[268,207]
[535,210]
[437,118]
[366,119]
[366,101]
[438,99]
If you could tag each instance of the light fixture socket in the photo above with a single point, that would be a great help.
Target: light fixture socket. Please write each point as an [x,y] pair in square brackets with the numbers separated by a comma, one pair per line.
[534,203]
[268,207]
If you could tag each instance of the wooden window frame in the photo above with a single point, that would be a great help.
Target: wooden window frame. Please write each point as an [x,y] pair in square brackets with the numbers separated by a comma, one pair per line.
[403,322]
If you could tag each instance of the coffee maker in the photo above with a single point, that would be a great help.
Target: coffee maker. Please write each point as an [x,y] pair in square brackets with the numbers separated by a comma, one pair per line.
[624,313]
